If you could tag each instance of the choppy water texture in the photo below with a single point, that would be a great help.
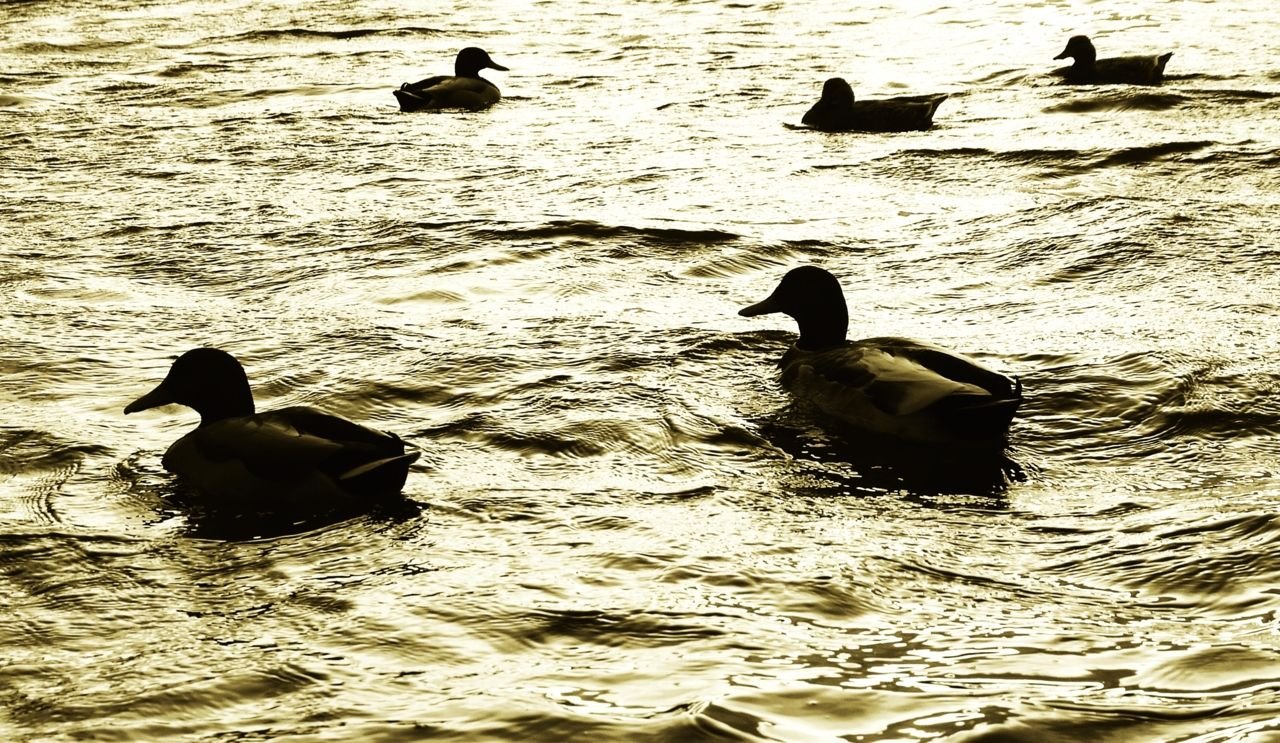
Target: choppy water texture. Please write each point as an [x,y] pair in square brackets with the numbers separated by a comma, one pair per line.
[620,528]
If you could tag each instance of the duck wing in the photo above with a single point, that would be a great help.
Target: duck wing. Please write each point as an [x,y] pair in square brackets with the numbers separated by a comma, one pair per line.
[824,116]
[424,84]
[410,95]
[448,92]
[949,364]
[901,114]
[897,380]
[1135,70]
[905,388]
[1146,69]
[290,448]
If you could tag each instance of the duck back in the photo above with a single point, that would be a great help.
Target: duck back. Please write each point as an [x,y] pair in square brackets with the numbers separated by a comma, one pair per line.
[289,459]
[906,389]
[901,114]
[473,93]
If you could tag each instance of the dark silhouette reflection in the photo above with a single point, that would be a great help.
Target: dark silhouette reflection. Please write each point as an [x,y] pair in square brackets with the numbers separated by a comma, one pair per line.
[885,464]
[202,520]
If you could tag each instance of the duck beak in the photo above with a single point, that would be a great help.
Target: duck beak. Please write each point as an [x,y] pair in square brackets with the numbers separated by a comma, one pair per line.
[761,308]
[495,66]
[153,399]
[1064,54]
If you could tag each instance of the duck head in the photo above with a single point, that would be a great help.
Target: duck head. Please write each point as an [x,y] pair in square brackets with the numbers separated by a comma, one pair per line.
[1080,49]
[814,299]
[837,92]
[207,380]
[473,59]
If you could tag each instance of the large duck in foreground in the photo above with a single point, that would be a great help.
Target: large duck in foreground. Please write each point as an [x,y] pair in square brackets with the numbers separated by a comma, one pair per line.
[464,89]
[291,460]
[837,111]
[1087,69]
[909,390]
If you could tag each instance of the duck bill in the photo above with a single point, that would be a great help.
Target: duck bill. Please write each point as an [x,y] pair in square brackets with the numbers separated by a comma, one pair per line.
[495,66]
[765,307]
[1064,54]
[153,399]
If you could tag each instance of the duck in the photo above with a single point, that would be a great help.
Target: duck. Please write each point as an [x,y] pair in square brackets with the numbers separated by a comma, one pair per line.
[464,89]
[837,111]
[907,389]
[290,460]
[1087,69]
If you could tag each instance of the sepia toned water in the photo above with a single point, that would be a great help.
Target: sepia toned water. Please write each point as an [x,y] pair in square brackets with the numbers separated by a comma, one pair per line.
[619,527]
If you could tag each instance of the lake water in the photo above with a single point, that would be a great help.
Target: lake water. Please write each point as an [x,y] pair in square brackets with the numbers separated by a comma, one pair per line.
[619,527]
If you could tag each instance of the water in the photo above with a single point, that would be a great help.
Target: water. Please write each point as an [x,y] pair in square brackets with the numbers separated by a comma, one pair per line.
[619,527]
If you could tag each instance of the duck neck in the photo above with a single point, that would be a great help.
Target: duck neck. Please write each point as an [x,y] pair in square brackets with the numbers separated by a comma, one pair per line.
[1084,60]
[823,328]
[232,402]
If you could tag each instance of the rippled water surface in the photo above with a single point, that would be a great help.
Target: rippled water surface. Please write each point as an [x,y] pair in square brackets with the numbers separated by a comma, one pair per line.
[620,528]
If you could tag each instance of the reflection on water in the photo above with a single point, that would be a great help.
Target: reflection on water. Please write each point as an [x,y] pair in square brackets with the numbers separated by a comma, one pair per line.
[620,526]
[871,464]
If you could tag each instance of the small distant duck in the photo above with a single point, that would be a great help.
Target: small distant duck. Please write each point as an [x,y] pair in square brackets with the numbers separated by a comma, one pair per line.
[464,89]
[291,460]
[837,111]
[1087,69]
[909,390]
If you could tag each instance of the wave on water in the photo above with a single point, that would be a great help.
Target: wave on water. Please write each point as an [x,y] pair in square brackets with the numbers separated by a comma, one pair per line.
[35,467]
[38,48]
[229,96]
[1067,160]
[621,524]
[961,165]
[1123,100]
[1163,99]
[758,257]
[291,34]
[1153,407]
[189,69]
[36,77]
[1233,95]
[1142,154]
[1169,560]
[596,230]
[16,101]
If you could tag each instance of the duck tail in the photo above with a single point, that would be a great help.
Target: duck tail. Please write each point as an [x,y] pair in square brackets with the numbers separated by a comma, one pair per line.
[385,475]
[410,99]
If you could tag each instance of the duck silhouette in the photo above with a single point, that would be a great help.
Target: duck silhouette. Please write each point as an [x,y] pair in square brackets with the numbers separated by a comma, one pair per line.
[463,89]
[910,390]
[837,111]
[1087,69]
[290,460]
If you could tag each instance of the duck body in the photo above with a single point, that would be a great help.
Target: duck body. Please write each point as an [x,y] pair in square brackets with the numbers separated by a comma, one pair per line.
[837,111]
[464,89]
[904,388]
[1087,69]
[910,390]
[290,460]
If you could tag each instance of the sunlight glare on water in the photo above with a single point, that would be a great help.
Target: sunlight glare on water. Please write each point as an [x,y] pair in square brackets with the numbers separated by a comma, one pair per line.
[620,525]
